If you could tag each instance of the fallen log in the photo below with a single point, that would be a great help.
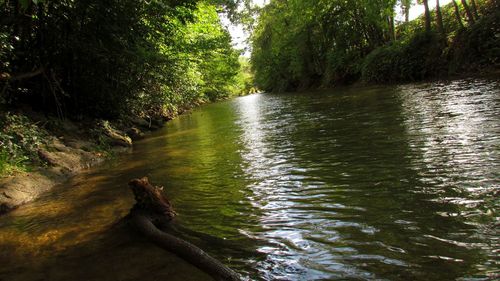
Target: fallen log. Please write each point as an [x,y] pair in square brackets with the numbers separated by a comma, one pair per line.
[7,77]
[153,210]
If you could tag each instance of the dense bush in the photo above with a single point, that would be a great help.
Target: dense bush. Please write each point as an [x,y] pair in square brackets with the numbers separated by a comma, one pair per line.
[419,58]
[427,55]
[245,79]
[301,44]
[478,46]
[19,140]
[384,64]
[342,67]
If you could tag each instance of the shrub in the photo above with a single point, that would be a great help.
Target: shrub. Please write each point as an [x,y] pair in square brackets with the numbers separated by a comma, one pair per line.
[343,67]
[477,46]
[383,64]
[19,142]
[419,58]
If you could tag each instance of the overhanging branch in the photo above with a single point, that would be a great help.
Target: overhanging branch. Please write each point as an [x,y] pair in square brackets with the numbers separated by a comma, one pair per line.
[22,76]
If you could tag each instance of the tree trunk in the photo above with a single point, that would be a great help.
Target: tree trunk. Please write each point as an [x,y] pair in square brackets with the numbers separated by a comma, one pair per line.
[393,28]
[427,16]
[474,8]
[457,14]
[470,17]
[405,6]
[439,18]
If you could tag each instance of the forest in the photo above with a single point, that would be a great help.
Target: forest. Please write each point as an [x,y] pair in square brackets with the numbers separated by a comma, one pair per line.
[191,140]
[120,60]
[106,58]
[308,44]
[86,59]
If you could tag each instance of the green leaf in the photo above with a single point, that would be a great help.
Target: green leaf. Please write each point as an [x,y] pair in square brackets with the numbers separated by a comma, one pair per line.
[24,4]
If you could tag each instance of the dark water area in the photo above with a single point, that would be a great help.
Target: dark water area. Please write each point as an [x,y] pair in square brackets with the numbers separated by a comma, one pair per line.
[373,183]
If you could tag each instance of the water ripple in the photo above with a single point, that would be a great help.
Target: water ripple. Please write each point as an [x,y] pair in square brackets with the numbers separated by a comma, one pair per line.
[373,183]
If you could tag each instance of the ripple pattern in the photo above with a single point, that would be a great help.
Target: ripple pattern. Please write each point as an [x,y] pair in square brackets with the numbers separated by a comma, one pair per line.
[371,183]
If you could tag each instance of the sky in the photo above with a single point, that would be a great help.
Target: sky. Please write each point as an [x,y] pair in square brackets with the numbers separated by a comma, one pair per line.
[239,36]
[417,10]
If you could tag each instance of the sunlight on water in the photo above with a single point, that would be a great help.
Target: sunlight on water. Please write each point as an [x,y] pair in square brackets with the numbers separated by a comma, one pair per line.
[374,183]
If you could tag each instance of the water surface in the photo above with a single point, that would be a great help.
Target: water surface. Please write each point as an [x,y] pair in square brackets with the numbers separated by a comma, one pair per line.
[374,183]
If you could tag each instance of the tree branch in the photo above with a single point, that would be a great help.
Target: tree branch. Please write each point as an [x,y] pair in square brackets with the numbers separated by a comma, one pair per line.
[7,77]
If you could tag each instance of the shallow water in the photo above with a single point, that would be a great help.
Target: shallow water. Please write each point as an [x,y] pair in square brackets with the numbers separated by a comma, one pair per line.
[379,183]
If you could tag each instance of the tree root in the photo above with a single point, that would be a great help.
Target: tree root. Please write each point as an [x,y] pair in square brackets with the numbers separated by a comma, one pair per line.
[151,209]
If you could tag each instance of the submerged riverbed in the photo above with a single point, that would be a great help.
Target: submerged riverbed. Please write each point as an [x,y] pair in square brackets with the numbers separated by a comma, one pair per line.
[394,183]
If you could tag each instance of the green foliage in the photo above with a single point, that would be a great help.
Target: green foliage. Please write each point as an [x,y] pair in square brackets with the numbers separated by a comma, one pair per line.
[245,79]
[216,61]
[299,44]
[421,57]
[478,46]
[109,58]
[302,44]
[343,67]
[197,65]
[20,140]
[379,66]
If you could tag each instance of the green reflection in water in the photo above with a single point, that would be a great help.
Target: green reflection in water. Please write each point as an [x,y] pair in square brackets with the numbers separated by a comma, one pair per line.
[360,183]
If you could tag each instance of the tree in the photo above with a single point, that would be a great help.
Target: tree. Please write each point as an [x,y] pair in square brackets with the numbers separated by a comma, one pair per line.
[439,19]
[427,15]
[405,7]
[107,58]
[468,12]
[297,44]
[457,14]
[474,8]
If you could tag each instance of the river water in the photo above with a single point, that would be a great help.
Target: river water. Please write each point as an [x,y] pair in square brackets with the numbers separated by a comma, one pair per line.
[364,183]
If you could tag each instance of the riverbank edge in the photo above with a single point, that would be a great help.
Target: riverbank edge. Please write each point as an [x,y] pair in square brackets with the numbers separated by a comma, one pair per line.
[70,150]
[492,72]
[67,154]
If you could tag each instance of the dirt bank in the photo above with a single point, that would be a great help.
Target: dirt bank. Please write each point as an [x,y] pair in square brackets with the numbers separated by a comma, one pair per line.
[68,148]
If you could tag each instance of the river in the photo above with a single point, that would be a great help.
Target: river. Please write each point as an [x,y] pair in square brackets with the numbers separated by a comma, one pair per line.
[360,183]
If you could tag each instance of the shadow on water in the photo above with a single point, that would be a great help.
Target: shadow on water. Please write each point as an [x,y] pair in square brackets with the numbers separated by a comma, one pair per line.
[353,184]
[77,233]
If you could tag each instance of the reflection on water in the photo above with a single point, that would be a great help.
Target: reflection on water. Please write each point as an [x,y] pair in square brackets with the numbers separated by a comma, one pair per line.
[76,234]
[363,183]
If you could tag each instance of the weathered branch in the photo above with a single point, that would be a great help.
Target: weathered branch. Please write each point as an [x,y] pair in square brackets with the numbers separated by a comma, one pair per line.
[8,77]
[152,209]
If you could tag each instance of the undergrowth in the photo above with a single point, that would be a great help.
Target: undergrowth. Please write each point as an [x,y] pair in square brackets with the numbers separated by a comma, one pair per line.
[429,55]
[20,140]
